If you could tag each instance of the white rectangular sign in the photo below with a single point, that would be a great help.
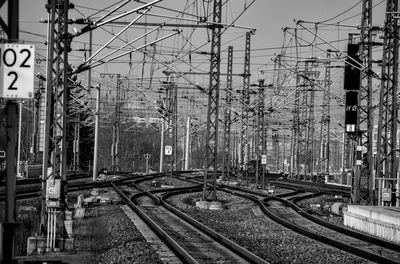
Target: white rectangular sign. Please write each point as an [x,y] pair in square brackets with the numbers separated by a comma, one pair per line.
[263,159]
[168,150]
[16,70]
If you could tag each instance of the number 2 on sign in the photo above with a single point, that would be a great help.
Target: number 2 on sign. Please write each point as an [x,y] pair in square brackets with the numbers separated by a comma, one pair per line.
[10,58]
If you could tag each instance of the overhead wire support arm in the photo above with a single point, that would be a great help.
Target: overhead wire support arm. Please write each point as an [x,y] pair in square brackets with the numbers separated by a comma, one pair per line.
[354,63]
[99,62]
[96,24]
[208,24]
[336,97]
[205,73]
[117,35]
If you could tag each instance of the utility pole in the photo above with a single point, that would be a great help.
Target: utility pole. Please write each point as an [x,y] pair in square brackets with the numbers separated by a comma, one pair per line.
[245,148]
[387,145]
[226,157]
[211,152]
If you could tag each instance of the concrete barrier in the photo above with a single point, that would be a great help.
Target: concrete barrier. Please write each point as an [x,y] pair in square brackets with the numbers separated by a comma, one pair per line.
[38,245]
[209,205]
[378,221]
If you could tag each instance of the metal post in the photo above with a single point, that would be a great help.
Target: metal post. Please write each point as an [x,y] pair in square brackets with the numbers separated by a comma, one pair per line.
[162,145]
[96,133]
[10,213]
[284,152]
[19,138]
[187,144]
[12,123]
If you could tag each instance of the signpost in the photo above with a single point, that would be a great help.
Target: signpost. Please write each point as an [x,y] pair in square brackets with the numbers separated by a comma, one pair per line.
[16,71]
[16,82]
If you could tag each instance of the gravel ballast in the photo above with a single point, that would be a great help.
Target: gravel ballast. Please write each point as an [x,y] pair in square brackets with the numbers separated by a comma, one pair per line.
[261,235]
[112,238]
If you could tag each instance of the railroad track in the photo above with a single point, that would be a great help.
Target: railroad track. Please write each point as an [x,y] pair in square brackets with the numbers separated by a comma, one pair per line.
[313,187]
[286,213]
[37,181]
[191,241]
[73,186]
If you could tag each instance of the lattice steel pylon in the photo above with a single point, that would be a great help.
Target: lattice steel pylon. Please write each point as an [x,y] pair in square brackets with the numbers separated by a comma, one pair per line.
[58,71]
[57,87]
[387,145]
[260,133]
[303,122]
[302,131]
[365,101]
[294,148]
[213,105]
[116,125]
[77,128]
[303,127]
[226,158]
[245,147]
[172,118]
[310,121]
[325,121]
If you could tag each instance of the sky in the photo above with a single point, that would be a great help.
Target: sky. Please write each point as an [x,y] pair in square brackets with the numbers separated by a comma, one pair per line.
[267,17]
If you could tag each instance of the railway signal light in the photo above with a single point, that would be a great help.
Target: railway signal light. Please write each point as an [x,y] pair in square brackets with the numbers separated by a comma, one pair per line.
[352,72]
[351,111]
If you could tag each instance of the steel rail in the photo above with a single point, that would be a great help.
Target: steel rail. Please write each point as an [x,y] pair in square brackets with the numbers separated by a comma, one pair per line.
[237,249]
[171,243]
[298,229]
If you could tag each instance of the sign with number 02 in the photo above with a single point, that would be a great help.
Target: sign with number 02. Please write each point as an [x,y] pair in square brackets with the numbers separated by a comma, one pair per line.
[16,71]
